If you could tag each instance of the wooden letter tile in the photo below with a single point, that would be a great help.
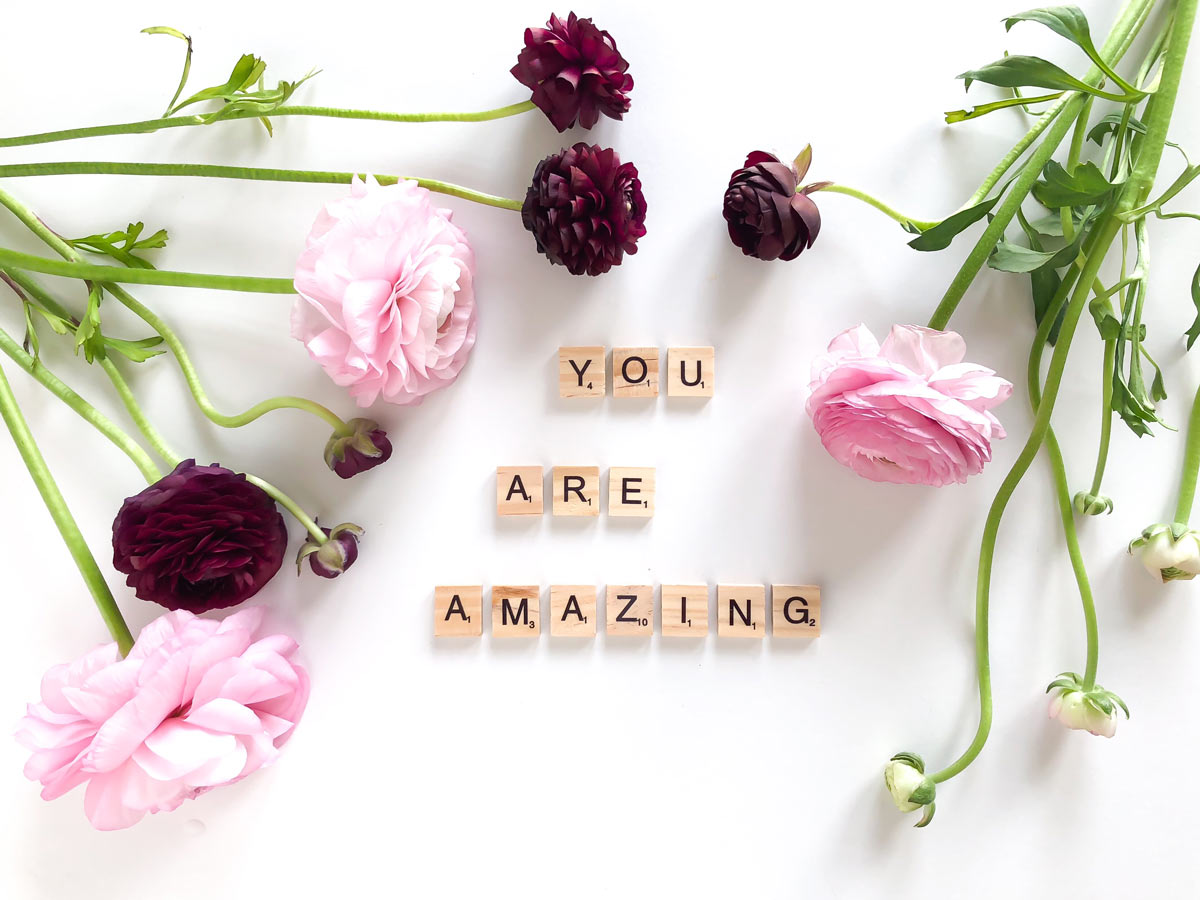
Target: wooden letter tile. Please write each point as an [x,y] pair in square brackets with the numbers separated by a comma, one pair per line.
[629,609]
[796,610]
[519,490]
[635,372]
[685,610]
[631,492]
[581,372]
[576,490]
[691,371]
[458,611]
[741,610]
[572,610]
[516,611]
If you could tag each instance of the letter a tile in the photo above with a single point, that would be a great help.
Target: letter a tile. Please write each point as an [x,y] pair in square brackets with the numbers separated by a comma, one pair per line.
[796,610]
[519,490]
[741,610]
[516,611]
[573,610]
[458,611]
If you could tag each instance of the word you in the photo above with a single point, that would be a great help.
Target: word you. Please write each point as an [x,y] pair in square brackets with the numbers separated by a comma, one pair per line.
[582,372]
[741,612]
[575,492]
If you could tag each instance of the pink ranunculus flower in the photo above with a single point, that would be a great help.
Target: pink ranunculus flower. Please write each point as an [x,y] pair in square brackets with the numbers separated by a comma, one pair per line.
[387,299]
[196,704]
[909,411]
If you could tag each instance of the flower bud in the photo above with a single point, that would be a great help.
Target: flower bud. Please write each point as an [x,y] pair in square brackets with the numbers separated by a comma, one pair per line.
[1169,552]
[336,555]
[1091,709]
[910,788]
[1092,504]
[366,447]
[768,215]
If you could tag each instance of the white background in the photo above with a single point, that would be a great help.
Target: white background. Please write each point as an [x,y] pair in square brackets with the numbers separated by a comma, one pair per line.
[612,767]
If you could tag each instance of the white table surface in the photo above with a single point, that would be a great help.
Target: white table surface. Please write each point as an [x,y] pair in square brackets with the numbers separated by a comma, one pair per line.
[612,768]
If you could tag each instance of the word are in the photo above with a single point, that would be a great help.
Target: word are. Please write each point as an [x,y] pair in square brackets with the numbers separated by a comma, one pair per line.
[742,610]
[575,491]
[582,372]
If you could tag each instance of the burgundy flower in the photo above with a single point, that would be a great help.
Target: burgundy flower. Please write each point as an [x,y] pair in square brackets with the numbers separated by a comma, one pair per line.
[336,555]
[767,217]
[575,71]
[200,538]
[366,447]
[585,209]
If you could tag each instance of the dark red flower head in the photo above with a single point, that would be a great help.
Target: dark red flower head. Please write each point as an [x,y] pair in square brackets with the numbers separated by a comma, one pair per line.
[768,218]
[575,72]
[200,538]
[366,447]
[336,555]
[585,209]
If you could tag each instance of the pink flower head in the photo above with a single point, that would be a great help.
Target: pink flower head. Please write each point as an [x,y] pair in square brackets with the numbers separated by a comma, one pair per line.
[196,704]
[387,300]
[909,411]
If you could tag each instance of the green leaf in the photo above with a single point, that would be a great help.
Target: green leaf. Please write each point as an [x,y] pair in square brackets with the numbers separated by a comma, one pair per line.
[801,163]
[1194,332]
[136,351]
[940,235]
[1051,225]
[1010,257]
[1031,71]
[1085,186]
[1071,23]
[87,332]
[120,244]
[1044,283]
[187,60]
[164,29]
[924,793]
[31,344]
[246,71]
[962,115]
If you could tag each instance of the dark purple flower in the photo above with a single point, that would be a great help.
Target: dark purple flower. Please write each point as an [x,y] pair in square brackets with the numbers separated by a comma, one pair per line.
[336,555]
[585,209]
[364,448]
[574,71]
[767,217]
[200,538]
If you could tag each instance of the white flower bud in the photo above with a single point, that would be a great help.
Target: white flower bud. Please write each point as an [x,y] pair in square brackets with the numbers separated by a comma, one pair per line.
[1169,552]
[1075,710]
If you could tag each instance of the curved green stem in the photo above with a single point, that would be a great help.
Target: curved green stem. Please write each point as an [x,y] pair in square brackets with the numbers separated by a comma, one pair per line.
[1106,415]
[85,410]
[245,173]
[1043,121]
[118,275]
[48,236]
[291,506]
[10,412]
[918,224]
[1062,493]
[1191,463]
[145,426]
[1058,122]
[151,125]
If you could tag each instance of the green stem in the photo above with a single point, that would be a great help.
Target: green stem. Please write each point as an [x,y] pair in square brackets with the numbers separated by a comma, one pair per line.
[118,275]
[150,125]
[1098,242]
[1058,122]
[47,379]
[918,224]
[246,173]
[1106,415]
[48,236]
[291,506]
[145,426]
[67,527]
[1043,121]
[1062,492]
[1191,463]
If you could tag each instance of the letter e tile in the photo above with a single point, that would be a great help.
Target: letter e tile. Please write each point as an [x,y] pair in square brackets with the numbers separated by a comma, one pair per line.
[631,492]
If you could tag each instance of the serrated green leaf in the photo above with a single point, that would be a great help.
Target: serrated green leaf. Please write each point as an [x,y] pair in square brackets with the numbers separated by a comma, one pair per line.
[136,351]
[940,235]
[1031,71]
[246,71]
[87,332]
[119,245]
[1085,186]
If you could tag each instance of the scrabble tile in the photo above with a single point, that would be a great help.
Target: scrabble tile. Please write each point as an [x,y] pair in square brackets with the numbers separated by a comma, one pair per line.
[519,490]
[685,610]
[516,611]
[635,372]
[629,609]
[796,610]
[631,492]
[741,610]
[572,610]
[458,611]
[691,371]
[576,490]
[581,372]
